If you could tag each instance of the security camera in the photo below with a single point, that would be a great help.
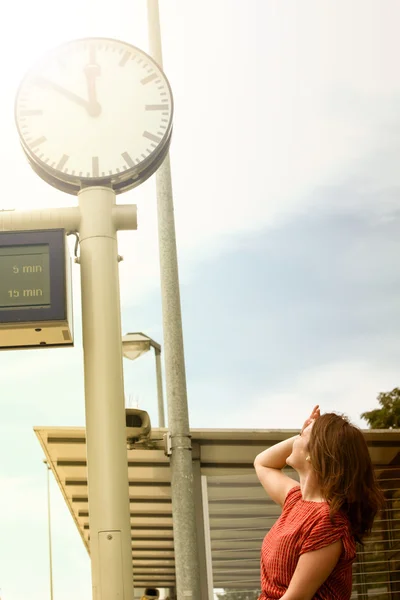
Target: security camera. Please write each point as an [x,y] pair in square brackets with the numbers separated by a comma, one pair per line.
[138,426]
[151,594]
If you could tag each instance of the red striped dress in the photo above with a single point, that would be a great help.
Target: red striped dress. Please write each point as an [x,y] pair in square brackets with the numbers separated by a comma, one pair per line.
[303,527]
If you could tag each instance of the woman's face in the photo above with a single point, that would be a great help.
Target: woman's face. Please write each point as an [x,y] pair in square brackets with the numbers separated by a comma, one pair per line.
[297,459]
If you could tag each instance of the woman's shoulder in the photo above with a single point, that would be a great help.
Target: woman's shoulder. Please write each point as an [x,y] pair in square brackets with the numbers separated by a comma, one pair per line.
[292,497]
[324,529]
[338,520]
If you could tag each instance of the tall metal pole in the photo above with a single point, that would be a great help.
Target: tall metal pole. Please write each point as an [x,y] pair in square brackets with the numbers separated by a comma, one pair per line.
[109,513]
[49,529]
[184,517]
[160,395]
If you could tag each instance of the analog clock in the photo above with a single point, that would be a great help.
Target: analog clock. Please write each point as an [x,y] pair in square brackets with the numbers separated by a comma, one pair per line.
[95,111]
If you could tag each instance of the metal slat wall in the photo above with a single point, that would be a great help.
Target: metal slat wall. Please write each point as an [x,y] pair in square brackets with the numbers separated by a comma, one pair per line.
[240,515]
[236,549]
[376,572]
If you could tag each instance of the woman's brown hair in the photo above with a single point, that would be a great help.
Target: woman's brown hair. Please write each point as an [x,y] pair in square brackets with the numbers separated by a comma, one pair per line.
[340,458]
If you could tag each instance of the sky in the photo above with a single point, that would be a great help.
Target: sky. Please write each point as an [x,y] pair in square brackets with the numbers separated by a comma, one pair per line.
[286,187]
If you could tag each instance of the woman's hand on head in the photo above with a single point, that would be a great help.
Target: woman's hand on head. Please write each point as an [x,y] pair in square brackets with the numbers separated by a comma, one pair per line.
[314,415]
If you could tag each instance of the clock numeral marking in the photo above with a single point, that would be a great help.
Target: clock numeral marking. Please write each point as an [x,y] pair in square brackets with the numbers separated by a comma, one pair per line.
[62,162]
[155,107]
[95,166]
[38,141]
[30,112]
[124,59]
[151,136]
[149,78]
[128,159]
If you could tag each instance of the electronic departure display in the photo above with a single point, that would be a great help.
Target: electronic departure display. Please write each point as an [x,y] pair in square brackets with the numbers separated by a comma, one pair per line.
[24,276]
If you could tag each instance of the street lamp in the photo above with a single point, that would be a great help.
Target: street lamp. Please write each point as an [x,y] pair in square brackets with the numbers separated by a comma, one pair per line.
[133,346]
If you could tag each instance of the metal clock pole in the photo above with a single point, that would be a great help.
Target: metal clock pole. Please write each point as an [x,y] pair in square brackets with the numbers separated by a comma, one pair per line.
[109,512]
[184,517]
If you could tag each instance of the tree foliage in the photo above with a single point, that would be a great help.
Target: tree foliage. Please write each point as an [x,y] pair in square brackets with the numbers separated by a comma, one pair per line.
[388,416]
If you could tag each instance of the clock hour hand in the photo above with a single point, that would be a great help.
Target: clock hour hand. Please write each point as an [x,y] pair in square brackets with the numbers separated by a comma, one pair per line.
[42,81]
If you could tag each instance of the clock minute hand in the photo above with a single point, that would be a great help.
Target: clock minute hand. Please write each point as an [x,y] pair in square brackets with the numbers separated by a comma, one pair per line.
[63,91]
[91,72]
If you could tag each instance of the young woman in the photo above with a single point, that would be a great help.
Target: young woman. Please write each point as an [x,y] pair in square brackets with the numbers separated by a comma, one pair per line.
[308,553]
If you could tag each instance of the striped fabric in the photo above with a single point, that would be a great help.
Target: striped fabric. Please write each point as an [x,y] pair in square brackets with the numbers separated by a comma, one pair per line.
[303,527]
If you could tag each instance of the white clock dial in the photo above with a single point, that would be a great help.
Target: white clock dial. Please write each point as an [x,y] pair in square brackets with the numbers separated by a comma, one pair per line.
[95,111]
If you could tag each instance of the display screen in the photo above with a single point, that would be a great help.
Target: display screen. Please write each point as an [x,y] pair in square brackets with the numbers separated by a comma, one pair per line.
[24,276]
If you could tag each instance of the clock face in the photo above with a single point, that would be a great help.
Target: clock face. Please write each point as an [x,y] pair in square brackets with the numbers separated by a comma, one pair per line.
[93,112]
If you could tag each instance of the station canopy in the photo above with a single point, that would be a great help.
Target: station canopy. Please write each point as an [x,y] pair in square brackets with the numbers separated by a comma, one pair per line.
[239,511]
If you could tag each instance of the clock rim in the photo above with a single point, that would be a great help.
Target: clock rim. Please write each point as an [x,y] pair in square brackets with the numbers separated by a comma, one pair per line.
[120,182]
[136,179]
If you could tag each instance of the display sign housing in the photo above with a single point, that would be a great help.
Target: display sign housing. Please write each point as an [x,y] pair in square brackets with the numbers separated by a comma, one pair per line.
[35,289]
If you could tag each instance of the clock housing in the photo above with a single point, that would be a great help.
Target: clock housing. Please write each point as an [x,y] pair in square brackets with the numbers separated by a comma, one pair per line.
[95,111]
